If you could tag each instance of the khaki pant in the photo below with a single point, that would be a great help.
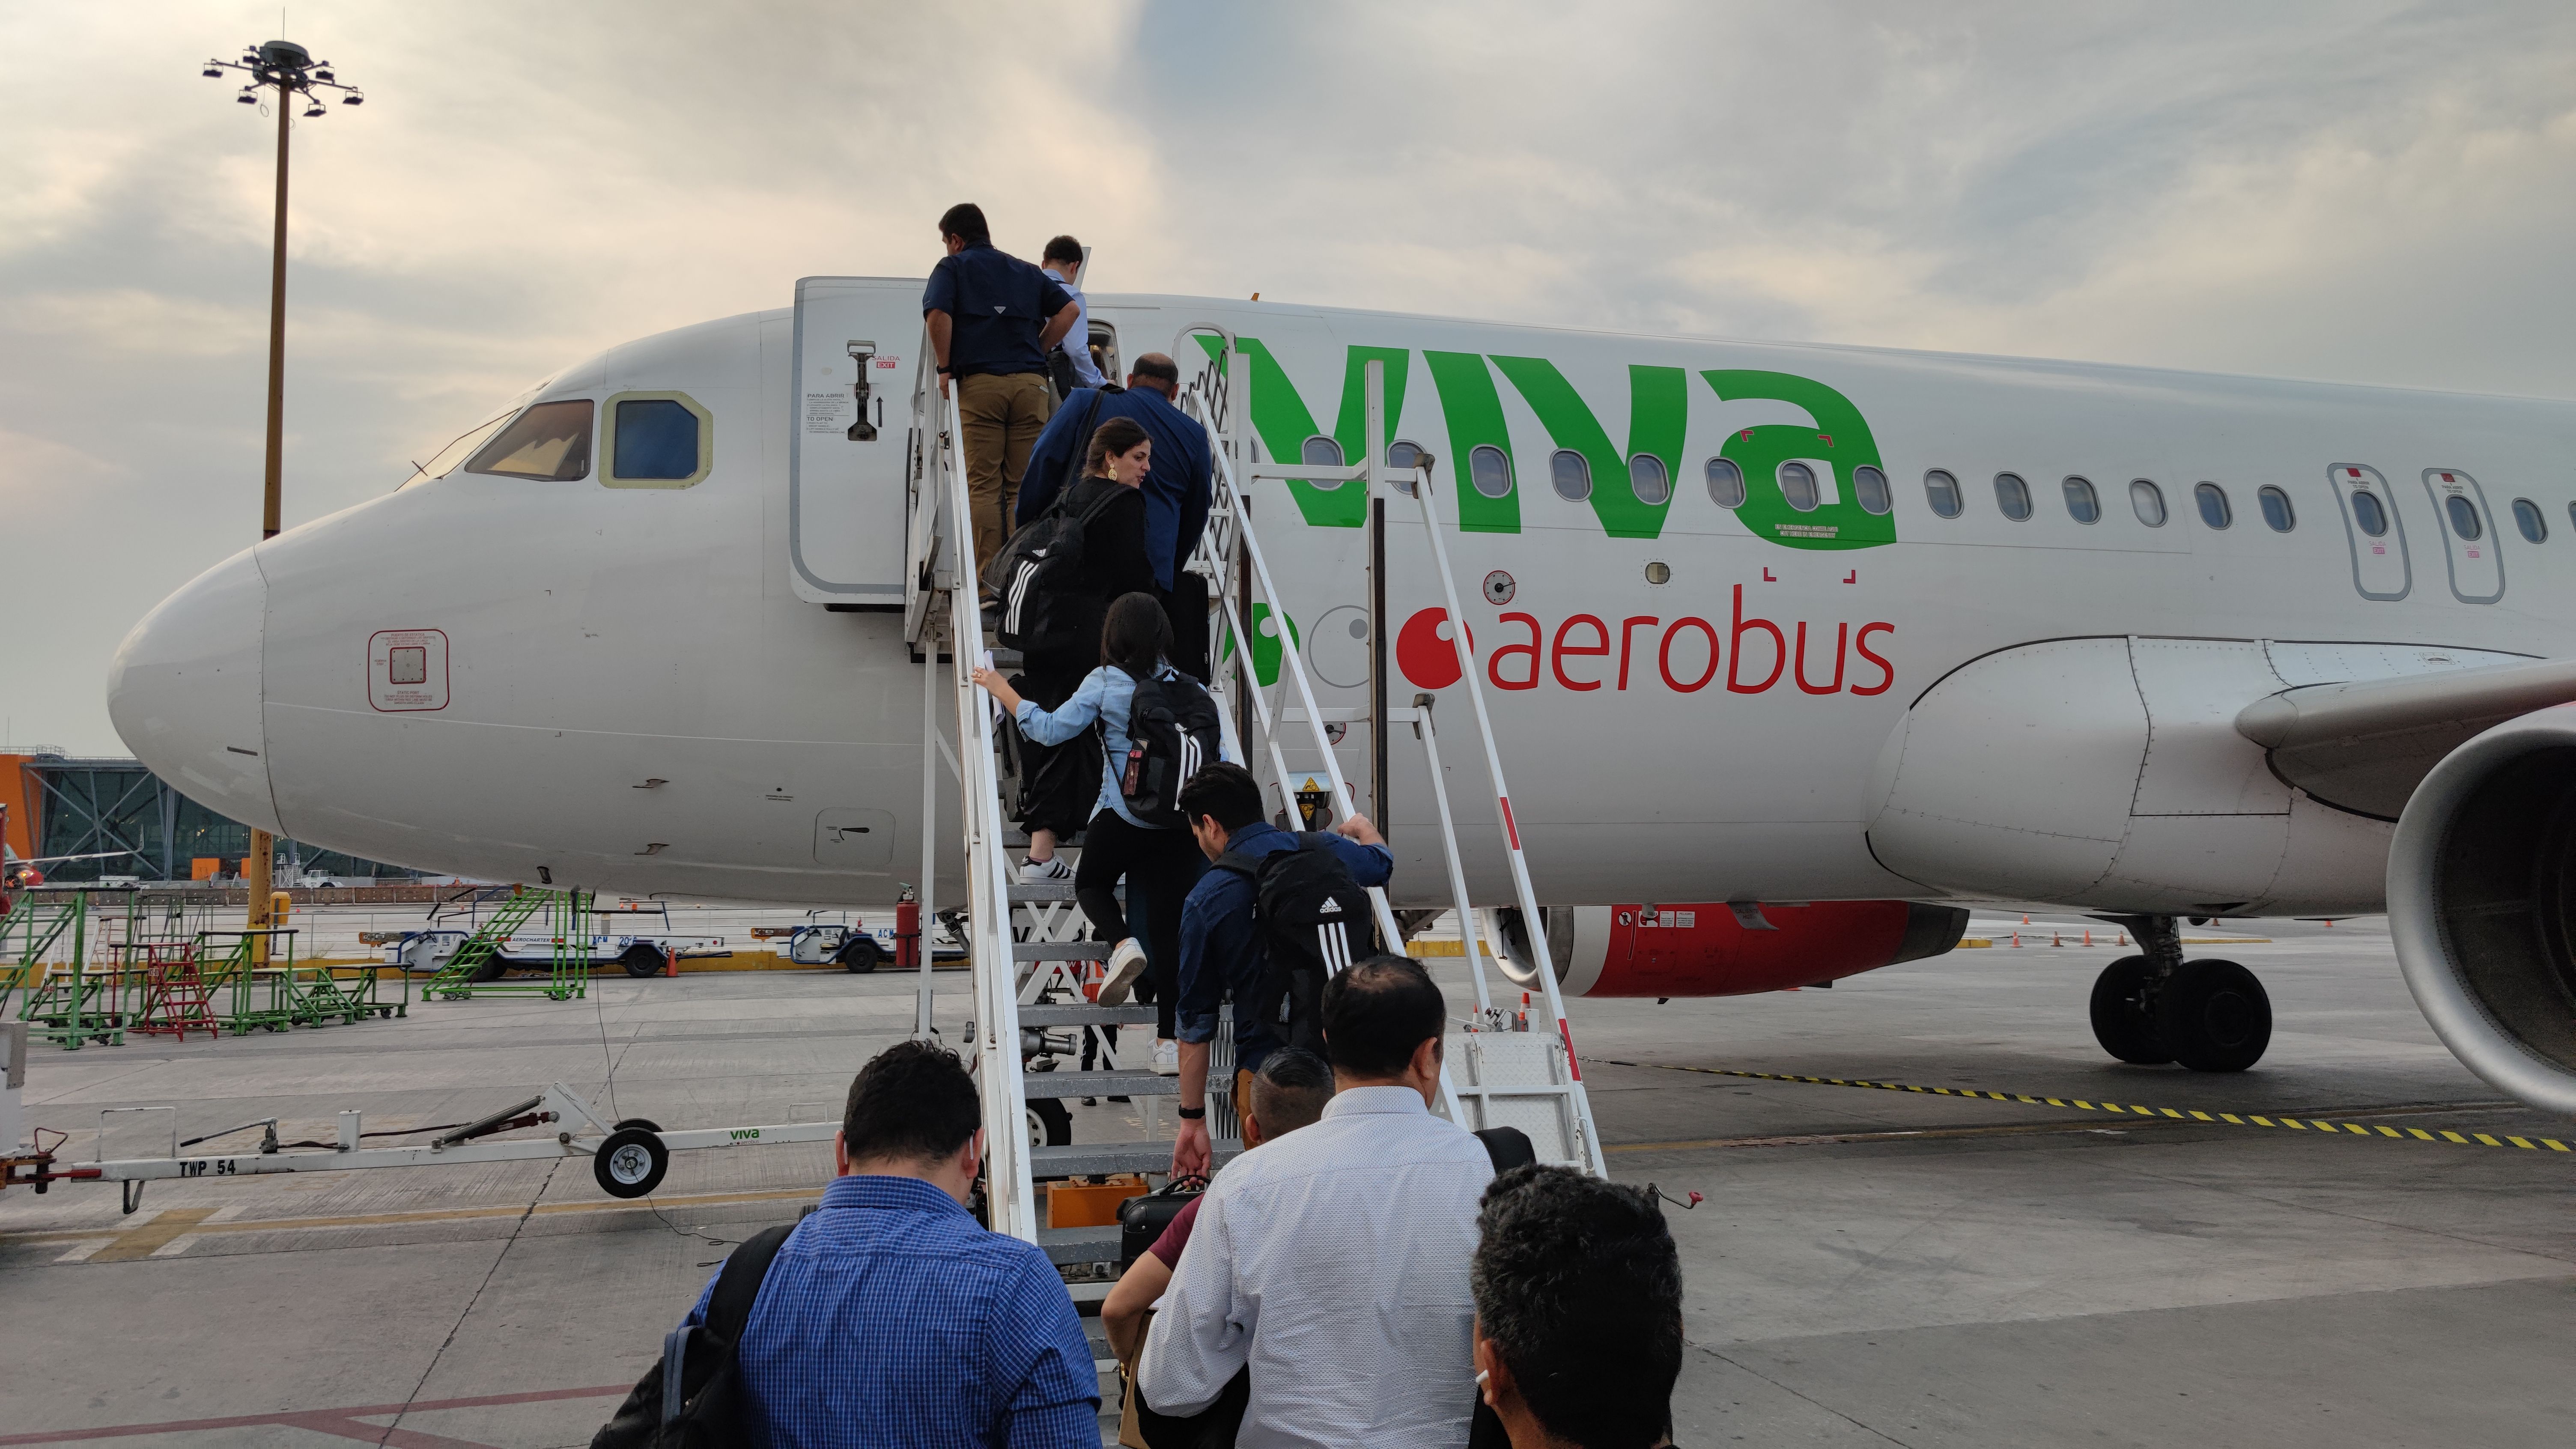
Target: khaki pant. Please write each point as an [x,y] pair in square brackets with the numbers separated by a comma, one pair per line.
[1002,416]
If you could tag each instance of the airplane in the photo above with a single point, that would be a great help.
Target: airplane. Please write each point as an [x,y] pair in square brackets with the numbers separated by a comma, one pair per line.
[1822,640]
[17,872]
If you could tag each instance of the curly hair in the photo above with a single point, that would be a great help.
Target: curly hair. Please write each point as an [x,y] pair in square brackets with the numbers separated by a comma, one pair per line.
[1579,1287]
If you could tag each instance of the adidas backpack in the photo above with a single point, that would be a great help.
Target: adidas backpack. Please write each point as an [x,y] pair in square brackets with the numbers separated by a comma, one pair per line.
[1313,919]
[1172,730]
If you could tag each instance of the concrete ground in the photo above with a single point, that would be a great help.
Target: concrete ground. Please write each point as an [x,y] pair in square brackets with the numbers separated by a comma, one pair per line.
[1868,1267]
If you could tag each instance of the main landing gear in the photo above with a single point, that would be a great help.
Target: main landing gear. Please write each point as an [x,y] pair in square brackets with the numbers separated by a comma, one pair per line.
[2211,1016]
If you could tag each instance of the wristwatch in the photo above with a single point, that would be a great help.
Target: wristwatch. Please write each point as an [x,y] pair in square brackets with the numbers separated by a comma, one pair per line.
[1191,1114]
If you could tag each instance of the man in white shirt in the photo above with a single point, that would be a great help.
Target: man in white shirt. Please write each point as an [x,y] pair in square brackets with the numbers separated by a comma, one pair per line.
[1062,259]
[1334,1261]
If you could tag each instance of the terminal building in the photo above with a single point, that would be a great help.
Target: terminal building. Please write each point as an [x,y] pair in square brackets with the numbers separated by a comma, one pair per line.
[59,804]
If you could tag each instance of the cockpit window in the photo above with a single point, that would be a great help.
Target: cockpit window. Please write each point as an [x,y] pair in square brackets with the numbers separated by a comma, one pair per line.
[549,441]
[656,440]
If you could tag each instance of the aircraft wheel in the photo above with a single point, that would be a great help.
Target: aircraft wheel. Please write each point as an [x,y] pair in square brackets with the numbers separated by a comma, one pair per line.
[2121,1021]
[1050,1122]
[859,955]
[641,960]
[630,1162]
[2215,1016]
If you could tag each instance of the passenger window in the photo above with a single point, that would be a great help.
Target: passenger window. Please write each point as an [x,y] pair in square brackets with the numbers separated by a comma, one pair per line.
[2213,505]
[2012,496]
[2369,512]
[2527,517]
[2148,502]
[1569,475]
[2464,517]
[1321,452]
[1941,491]
[1406,454]
[549,441]
[2277,514]
[1726,484]
[2082,504]
[1489,471]
[1648,480]
[1869,485]
[1798,485]
[656,440]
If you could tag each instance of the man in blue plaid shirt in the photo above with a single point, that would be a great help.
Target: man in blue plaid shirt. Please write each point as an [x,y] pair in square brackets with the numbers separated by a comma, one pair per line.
[889,1317]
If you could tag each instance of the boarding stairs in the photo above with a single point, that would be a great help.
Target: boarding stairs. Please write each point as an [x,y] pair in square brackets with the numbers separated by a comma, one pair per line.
[477,969]
[1030,963]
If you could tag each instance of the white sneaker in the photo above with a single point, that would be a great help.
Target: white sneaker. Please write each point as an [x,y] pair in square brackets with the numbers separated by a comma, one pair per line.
[1126,963]
[1041,872]
[1167,1058]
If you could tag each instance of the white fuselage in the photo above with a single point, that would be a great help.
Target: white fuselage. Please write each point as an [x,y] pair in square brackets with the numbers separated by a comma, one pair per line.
[590,639]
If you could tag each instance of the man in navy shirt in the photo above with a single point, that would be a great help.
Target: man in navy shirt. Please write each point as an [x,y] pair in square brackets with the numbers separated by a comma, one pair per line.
[1178,486]
[1220,948]
[992,318]
[888,1316]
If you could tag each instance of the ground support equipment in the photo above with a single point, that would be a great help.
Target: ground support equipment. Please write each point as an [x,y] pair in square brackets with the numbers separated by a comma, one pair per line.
[628,1158]
[478,969]
[1494,1078]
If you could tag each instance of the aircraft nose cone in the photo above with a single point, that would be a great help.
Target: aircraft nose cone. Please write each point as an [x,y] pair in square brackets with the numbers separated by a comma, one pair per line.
[184,692]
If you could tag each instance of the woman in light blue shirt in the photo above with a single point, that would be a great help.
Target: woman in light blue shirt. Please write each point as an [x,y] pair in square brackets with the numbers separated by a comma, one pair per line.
[1159,864]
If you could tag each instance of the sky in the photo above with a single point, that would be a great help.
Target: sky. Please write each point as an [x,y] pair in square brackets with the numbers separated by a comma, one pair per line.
[2356,191]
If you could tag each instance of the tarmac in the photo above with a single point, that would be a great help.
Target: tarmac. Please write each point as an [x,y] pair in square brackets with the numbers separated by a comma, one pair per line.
[1867,1267]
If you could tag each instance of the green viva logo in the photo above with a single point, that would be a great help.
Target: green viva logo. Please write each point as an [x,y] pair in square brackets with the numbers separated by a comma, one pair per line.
[1802,487]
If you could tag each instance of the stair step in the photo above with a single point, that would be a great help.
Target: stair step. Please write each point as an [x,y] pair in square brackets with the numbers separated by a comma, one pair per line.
[1099,1084]
[1040,892]
[1088,1159]
[1060,950]
[1086,1014]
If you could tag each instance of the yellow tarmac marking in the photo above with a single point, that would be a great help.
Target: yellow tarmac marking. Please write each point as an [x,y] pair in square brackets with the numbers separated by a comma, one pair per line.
[2337,1129]
[140,1241]
[146,1239]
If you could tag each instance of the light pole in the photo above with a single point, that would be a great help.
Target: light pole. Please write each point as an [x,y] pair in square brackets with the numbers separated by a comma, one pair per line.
[290,70]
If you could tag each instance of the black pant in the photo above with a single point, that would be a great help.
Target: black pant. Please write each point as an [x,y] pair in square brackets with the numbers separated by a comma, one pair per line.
[1160,867]
[1186,603]
[1058,783]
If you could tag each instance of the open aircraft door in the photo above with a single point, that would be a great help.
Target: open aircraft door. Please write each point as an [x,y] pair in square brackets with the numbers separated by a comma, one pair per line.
[856,340]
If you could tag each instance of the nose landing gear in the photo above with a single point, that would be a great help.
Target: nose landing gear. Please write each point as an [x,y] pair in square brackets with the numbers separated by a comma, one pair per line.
[2210,1016]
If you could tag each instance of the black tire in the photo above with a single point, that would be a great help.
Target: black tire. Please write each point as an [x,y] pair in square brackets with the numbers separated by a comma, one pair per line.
[493,969]
[641,960]
[641,1124]
[859,954]
[1051,1122]
[630,1162]
[2214,1016]
[2121,1021]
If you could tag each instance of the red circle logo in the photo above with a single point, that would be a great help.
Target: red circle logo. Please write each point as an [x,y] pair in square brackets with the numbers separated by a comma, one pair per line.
[1424,652]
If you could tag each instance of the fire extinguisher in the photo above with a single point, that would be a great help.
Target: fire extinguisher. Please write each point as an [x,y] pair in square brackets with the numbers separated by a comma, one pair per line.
[907,931]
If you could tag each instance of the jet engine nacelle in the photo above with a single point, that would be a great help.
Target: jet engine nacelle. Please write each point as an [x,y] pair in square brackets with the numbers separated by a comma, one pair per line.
[1705,950]
[2482,905]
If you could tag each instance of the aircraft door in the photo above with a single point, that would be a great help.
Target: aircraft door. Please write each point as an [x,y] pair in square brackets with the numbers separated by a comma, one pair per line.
[2377,534]
[2469,541]
[847,445]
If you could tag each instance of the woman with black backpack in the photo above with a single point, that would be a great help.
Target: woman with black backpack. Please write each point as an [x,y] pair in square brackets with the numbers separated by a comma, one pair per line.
[1056,792]
[1138,778]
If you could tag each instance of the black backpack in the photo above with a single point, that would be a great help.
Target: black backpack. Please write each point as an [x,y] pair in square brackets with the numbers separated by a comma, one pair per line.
[1041,606]
[1173,730]
[692,1398]
[1314,919]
